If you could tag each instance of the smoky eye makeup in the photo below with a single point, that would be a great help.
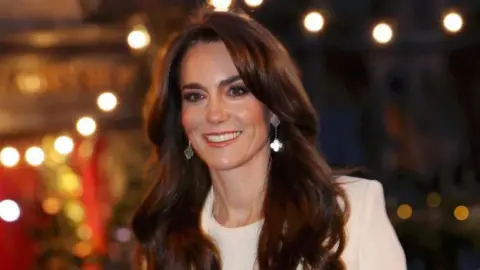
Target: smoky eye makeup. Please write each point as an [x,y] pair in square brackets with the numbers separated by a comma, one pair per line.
[237,90]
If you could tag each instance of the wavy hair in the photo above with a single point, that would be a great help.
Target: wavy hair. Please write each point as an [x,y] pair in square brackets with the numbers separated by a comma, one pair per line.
[304,208]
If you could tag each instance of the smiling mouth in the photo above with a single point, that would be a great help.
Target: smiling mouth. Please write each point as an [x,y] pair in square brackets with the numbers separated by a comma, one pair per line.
[221,139]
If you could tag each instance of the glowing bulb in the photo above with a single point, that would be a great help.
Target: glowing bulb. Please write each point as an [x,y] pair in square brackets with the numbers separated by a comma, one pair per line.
[382,33]
[314,21]
[9,156]
[404,211]
[63,145]
[9,211]
[461,212]
[221,5]
[107,101]
[253,3]
[34,156]
[86,126]
[51,205]
[138,38]
[453,22]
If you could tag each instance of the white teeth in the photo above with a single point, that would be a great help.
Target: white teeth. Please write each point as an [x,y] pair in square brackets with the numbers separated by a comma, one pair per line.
[223,137]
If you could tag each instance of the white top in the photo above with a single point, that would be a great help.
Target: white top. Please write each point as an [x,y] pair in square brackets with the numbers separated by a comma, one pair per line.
[371,240]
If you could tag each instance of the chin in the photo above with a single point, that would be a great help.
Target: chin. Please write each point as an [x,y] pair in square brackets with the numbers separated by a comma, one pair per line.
[224,164]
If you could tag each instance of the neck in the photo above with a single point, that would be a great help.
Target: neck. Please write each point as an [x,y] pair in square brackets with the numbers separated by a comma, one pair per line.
[239,193]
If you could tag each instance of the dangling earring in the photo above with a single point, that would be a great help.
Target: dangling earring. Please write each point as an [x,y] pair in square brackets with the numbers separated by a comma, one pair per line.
[276,145]
[189,151]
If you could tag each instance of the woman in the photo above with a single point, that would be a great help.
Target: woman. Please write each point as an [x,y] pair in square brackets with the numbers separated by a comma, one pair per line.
[241,184]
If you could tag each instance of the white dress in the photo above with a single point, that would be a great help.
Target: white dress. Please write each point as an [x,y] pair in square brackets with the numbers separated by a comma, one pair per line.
[371,240]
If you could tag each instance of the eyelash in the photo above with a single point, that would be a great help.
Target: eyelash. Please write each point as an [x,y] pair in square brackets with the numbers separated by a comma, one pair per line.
[232,92]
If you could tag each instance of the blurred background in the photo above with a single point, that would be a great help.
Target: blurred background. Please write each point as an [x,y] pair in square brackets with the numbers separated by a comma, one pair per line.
[395,83]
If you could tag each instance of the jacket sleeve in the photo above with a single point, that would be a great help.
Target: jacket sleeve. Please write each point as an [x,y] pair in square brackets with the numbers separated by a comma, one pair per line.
[380,248]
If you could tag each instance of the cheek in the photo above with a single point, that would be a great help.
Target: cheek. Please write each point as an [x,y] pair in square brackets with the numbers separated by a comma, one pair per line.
[189,120]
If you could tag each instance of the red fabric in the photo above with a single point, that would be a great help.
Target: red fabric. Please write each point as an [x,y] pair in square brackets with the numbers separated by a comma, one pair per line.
[16,246]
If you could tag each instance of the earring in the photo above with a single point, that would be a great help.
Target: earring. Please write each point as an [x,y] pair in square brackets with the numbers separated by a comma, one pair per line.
[189,151]
[276,145]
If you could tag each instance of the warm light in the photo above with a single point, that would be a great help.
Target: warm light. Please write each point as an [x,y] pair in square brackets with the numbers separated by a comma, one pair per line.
[69,182]
[82,249]
[75,211]
[107,101]
[221,5]
[404,211]
[84,232]
[382,33]
[253,3]
[34,156]
[138,38]
[51,206]
[63,145]
[453,22]
[434,199]
[314,21]
[86,126]
[9,211]
[461,212]
[9,156]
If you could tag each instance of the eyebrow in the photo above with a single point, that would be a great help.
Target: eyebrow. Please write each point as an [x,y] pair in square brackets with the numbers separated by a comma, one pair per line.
[223,82]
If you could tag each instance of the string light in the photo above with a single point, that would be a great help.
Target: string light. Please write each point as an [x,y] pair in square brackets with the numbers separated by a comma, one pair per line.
[9,211]
[253,3]
[382,33]
[9,156]
[63,145]
[221,5]
[107,101]
[86,126]
[453,22]
[314,21]
[138,38]
[35,156]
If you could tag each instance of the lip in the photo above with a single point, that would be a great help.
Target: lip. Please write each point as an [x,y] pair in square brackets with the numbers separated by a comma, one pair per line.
[222,143]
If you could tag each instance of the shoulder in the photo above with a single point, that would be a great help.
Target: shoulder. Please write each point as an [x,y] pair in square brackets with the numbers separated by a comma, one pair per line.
[368,229]
[360,190]
[365,197]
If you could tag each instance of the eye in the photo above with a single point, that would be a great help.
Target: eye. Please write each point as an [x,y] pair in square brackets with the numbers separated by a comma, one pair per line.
[192,97]
[237,91]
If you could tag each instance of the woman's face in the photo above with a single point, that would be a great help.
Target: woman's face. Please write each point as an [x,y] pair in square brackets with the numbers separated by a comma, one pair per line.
[225,123]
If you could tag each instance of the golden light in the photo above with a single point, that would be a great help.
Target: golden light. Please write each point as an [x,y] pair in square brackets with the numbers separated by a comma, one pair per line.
[314,21]
[84,232]
[138,38]
[107,101]
[86,126]
[75,211]
[404,211]
[382,33]
[9,156]
[221,5]
[461,212]
[69,182]
[63,145]
[453,22]
[434,199]
[82,249]
[35,156]
[253,3]
[51,205]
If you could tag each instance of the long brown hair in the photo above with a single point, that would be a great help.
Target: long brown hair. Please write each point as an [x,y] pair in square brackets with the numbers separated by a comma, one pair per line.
[304,218]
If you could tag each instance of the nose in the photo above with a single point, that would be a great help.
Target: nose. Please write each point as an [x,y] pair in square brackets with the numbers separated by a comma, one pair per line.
[216,111]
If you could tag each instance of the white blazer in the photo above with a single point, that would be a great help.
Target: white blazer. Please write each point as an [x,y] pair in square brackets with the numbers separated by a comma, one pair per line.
[372,243]
[371,240]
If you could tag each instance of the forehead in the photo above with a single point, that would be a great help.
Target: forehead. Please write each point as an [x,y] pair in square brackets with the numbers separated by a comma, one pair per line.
[207,63]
